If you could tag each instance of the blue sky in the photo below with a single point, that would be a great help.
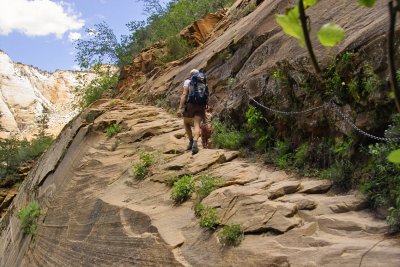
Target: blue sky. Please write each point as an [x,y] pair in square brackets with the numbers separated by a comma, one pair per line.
[40,32]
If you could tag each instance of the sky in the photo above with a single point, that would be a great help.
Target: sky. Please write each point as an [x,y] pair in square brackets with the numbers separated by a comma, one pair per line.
[42,32]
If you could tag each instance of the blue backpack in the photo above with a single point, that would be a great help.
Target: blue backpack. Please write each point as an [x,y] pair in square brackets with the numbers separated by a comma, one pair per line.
[198,89]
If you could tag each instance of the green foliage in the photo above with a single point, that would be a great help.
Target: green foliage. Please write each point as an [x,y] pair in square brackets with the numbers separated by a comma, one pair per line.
[206,185]
[227,137]
[281,154]
[330,34]
[198,208]
[259,129]
[382,182]
[300,156]
[231,235]
[104,82]
[43,122]
[310,3]
[394,156]
[100,46]
[113,129]
[382,186]
[142,168]
[15,153]
[277,74]
[28,217]
[291,25]
[367,3]
[208,218]
[183,189]
[177,48]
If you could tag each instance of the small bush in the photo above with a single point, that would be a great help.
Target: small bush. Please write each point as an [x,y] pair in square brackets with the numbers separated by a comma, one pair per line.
[206,186]
[209,218]
[226,137]
[142,168]
[231,235]
[28,217]
[172,180]
[113,129]
[183,189]
[198,208]
[147,159]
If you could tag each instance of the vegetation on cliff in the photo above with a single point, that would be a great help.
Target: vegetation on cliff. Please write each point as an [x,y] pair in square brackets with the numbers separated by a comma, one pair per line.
[164,22]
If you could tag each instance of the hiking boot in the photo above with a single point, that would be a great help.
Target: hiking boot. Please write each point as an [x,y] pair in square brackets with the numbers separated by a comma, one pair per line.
[195,148]
[189,147]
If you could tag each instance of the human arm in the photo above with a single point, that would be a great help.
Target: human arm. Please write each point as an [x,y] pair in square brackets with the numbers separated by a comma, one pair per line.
[183,100]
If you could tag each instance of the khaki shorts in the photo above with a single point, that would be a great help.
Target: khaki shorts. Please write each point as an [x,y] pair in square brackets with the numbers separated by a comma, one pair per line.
[192,110]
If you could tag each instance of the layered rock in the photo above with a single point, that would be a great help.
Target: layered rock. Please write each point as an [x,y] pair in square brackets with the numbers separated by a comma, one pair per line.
[94,212]
[27,91]
[244,49]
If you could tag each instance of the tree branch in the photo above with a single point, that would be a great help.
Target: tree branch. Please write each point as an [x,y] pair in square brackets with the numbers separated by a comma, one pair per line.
[303,20]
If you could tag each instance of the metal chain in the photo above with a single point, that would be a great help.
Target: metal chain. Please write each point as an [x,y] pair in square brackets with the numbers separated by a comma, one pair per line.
[346,118]
[335,108]
[287,112]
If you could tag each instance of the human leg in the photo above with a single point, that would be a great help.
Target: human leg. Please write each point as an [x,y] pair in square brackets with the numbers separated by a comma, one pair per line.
[187,123]
[196,134]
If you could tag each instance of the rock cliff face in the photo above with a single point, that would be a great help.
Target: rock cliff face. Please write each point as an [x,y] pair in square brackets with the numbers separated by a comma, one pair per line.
[95,213]
[26,91]
[243,51]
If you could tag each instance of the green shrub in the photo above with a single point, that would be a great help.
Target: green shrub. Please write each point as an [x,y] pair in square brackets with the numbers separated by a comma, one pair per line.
[226,137]
[16,153]
[300,155]
[259,128]
[183,189]
[206,185]
[209,218]
[170,181]
[142,168]
[104,82]
[382,185]
[198,208]
[28,217]
[231,235]
[113,129]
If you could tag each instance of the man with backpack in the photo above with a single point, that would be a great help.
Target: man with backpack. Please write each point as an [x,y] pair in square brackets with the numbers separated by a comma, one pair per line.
[194,99]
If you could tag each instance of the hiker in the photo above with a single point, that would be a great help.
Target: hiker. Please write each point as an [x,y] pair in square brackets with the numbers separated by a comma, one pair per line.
[192,106]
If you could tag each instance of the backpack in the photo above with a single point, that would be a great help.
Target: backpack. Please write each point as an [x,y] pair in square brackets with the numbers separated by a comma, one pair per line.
[198,89]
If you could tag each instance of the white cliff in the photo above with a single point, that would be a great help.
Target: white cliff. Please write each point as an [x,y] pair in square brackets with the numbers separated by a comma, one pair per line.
[25,91]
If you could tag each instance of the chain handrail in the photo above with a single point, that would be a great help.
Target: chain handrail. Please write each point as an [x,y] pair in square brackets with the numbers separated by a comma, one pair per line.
[330,104]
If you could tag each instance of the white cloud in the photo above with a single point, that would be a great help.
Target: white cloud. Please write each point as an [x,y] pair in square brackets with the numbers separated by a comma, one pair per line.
[38,17]
[73,36]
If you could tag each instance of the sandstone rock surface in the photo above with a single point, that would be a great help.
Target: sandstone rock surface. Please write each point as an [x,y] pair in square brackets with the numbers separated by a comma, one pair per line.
[95,213]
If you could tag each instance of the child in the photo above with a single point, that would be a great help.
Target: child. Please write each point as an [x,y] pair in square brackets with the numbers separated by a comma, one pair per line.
[206,129]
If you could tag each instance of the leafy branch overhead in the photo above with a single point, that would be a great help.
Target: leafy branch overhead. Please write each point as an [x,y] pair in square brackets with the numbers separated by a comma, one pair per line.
[329,34]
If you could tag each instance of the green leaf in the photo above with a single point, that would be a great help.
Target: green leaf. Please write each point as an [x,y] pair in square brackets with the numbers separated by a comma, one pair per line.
[291,25]
[394,156]
[309,3]
[330,34]
[367,3]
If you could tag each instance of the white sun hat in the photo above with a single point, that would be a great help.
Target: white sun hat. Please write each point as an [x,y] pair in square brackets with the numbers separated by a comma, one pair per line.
[194,71]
